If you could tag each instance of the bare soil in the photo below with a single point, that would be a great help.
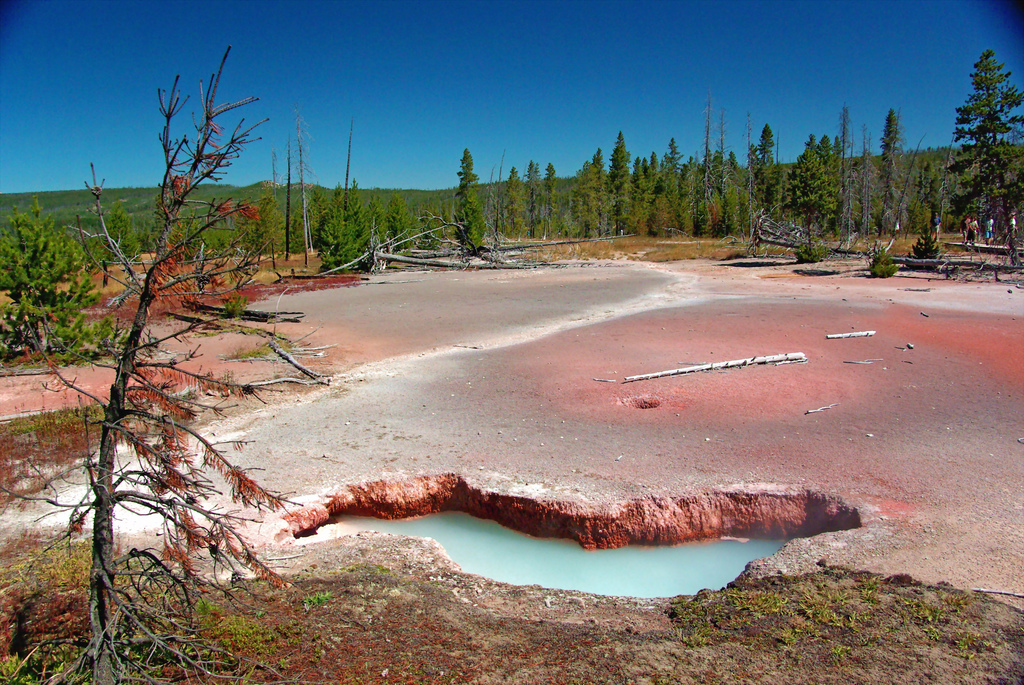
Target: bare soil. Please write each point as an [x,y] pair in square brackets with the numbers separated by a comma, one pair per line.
[494,375]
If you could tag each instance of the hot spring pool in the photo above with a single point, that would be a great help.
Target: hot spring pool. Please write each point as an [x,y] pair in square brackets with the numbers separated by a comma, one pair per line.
[488,549]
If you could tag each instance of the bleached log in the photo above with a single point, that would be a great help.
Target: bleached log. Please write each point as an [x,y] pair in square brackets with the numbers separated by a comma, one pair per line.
[318,377]
[274,381]
[751,361]
[997,592]
[964,263]
[858,334]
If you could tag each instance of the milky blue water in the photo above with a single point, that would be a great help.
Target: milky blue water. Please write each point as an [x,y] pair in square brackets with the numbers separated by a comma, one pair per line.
[490,550]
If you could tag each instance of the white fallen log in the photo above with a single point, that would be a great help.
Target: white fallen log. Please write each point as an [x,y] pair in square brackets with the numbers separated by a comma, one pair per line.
[274,381]
[820,409]
[858,334]
[751,361]
[998,592]
[318,377]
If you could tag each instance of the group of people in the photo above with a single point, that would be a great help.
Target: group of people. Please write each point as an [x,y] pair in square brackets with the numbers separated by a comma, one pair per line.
[972,232]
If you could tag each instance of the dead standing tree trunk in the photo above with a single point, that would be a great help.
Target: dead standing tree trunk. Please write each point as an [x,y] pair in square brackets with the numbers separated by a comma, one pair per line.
[140,603]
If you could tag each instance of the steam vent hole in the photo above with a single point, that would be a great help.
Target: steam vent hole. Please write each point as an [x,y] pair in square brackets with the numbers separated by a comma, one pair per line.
[643,402]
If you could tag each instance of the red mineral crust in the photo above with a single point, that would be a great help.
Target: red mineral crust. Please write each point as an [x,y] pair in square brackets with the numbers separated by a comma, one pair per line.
[647,521]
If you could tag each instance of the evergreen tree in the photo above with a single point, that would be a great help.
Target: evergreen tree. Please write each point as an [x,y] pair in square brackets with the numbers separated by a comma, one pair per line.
[533,199]
[262,234]
[375,216]
[43,274]
[119,225]
[618,184]
[767,176]
[670,161]
[813,185]
[549,194]
[514,200]
[469,212]
[640,196]
[397,220]
[990,164]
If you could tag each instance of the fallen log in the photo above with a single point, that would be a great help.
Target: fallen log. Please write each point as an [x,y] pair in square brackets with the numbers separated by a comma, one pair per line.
[974,247]
[997,592]
[552,243]
[250,315]
[751,361]
[416,261]
[963,263]
[858,334]
[273,381]
[318,377]
[6,373]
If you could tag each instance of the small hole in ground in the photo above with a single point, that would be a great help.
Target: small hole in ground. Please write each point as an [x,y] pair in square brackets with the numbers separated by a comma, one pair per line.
[642,402]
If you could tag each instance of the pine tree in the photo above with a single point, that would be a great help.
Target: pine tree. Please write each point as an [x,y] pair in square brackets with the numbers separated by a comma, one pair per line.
[767,179]
[43,273]
[469,212]
[261,234]
[514,200]
[549,195]
[618,184]
[989,164]
[119,224]
[533,199]
[813,184]
[397,221]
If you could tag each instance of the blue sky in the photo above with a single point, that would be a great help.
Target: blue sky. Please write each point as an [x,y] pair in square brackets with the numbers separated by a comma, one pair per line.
[548,81]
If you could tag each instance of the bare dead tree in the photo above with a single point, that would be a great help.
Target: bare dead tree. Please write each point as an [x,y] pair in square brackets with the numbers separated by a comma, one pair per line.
[307,236]
[866,194]
[723,180]
[750,183]
[846,176]
[707,151]
[150,461]
[348,162]
[288,206]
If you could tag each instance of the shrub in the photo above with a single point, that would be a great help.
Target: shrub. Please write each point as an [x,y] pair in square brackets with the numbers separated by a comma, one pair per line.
[811,253]
[235,306]
[926,247]
[882,265]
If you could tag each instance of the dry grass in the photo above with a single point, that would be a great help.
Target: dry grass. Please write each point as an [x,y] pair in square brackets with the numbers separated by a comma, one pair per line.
[644,248]
[38,446]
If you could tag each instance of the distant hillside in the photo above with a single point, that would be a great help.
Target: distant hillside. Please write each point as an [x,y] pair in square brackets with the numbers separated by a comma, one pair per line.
[66,205]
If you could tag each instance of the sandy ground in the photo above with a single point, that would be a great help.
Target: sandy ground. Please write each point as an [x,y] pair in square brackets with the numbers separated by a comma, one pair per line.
[492,374]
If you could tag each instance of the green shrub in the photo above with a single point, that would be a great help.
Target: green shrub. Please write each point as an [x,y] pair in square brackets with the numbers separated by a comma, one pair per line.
[882,265]
[926,247]
[235,306]
[811,253]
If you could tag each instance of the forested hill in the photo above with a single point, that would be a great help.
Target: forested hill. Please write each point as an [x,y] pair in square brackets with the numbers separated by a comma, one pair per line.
[65,205]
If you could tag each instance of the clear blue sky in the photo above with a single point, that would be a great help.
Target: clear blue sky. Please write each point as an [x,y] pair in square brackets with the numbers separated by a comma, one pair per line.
[549,81]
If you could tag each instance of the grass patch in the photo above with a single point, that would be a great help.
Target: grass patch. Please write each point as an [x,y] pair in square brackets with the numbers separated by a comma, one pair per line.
[246,353]
[836,619]
[39,446]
